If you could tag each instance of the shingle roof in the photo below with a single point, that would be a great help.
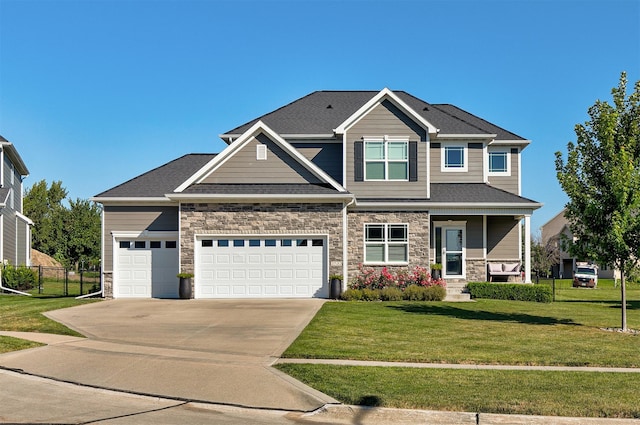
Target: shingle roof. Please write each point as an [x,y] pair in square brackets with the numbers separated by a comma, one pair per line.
[321,112]
[468,193]
[260,189]
[474,192]
[161,180]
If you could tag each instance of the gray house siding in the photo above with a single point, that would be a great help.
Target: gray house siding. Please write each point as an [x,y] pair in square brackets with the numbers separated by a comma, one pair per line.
[509,183]
[474,234]
[386,119]
[327,156]
[22,229]
[279,167]
[135,219]
[503,238]
[9,236]
[475,164]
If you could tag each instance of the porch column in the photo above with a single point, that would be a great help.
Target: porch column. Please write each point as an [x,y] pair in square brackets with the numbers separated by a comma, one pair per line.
[527,249]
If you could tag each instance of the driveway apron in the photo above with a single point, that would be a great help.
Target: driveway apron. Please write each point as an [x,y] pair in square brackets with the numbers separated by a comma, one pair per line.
[217,351]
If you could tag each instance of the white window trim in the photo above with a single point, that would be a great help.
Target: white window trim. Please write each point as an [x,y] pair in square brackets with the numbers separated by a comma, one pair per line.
[386,244]
[261,152]
[508,159]
[386,139]
[465,153]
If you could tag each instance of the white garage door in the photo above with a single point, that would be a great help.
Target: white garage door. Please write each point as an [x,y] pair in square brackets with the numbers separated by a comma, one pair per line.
[246,267]
[145,269]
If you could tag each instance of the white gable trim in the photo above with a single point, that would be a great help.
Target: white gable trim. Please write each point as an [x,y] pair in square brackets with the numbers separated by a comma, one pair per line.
[240,142]
[378,98]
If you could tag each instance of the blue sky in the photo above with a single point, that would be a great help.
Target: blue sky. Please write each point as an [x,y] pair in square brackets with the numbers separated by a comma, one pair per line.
[93,93]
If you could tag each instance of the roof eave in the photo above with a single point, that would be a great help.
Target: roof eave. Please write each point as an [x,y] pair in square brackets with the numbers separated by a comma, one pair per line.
[215,197]
[16,159]
[138,200]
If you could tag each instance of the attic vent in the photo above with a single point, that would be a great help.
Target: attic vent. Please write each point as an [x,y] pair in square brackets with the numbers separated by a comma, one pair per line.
[329,107]
[261,152]
[425,108]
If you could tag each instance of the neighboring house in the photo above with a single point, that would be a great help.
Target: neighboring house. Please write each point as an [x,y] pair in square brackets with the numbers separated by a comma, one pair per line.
[15,228]
[553,231]
[317,187]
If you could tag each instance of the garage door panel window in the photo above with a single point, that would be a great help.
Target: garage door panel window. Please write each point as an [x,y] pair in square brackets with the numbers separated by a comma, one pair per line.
[140,244]
[207,242]
[125,244]
[171,244]
[386,243]
[155,244]
[238,242]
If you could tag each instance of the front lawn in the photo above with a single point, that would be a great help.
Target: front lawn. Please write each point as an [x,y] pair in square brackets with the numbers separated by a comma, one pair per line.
[24,314]
[567,332]
[580,394]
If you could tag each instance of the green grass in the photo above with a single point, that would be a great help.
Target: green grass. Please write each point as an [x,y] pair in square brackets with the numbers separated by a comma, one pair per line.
[581,394]
[482,332]
[24,314]
[8,343]
[566,332]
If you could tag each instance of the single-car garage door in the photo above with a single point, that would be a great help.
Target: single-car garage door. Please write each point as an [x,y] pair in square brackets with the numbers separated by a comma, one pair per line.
[260,267]
[146,268]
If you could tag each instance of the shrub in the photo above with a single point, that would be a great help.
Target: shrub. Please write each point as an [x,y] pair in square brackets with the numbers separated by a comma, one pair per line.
[435,293]
[414,293]
[352,295]
[511,291]
[391,294]
[370,278]
[370,294]
[20,278]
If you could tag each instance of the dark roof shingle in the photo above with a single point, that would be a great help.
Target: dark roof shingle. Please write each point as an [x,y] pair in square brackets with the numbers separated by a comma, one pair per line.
[161,180]
[321,112]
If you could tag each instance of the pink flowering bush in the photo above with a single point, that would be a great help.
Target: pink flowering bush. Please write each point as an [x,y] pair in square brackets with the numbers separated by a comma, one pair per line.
[370,278]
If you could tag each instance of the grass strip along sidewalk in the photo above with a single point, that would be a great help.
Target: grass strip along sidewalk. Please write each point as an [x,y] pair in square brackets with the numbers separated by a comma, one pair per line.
[24,314]
[564,333]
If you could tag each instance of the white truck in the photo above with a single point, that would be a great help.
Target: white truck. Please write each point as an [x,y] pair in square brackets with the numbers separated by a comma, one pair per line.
[585,275]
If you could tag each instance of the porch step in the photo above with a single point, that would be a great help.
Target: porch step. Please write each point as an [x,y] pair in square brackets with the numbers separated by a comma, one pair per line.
[457,292]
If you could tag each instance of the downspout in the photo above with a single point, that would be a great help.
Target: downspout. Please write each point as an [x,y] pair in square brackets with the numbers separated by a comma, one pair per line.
[345,244]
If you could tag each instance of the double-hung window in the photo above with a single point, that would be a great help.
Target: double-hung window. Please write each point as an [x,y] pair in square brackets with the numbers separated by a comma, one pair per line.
[386,159]
[386,243]
[454,157]
[499,163]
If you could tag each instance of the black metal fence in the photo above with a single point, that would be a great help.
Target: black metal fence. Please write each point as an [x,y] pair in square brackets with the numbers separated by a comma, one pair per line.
[50,281]
[58,281]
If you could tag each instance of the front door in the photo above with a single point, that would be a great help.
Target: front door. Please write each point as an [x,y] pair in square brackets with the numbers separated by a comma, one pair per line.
[450,246]
[453,252]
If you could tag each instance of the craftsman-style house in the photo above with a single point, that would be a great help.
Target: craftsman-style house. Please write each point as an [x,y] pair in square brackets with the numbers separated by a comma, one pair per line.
[317,187]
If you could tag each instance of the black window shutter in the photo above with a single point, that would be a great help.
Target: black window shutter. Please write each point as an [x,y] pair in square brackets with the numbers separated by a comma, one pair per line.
[358,161]
[413,161]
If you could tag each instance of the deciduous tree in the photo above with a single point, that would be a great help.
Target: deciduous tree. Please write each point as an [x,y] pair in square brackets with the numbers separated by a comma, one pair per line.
[601,176]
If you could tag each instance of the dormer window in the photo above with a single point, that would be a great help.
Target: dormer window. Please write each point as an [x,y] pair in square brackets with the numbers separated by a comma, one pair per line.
[386,159]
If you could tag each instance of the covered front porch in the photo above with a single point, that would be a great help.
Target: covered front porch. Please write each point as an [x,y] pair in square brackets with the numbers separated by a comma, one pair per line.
[466,243]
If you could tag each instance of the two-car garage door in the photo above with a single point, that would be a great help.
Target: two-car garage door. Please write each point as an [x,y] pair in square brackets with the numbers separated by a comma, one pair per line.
[260,267]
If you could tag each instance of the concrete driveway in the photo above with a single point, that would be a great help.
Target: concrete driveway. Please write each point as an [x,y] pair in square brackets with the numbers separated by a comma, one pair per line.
[217,351]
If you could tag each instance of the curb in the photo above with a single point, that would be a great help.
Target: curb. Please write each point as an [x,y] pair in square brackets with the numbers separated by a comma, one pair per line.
[343,414]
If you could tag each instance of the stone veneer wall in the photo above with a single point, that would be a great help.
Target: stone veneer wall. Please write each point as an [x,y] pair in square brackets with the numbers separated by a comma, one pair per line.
[107,285]
[418,222]
[263,219]
[476,270]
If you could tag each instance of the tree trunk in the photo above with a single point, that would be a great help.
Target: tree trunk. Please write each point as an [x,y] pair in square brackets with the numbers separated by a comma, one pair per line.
[623,296]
